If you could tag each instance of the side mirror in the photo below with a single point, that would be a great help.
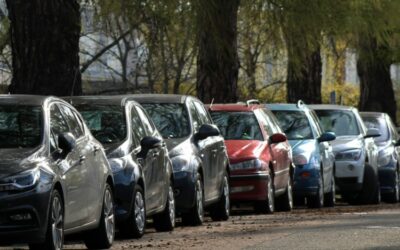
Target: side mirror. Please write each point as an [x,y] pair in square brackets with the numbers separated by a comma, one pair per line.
[206,130]
[372,132]
[67,143]
[147,143]
[277,138]
[327,136]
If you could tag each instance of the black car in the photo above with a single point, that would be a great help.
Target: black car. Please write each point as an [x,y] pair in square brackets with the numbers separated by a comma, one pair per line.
[54,177]
[139,160]
[198,155]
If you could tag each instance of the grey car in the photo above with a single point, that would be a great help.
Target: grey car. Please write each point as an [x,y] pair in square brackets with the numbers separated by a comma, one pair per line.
[356,155]
[389,152]
[54,176]
[198,155]
[139,159]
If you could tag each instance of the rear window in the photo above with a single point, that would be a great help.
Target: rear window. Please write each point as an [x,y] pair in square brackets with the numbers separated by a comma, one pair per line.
[238,125]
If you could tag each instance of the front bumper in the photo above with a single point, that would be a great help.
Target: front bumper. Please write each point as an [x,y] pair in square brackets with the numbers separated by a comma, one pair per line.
[123,186]
[349,175]
[24,216]
[184,189]
[387,178]
[305,181]
[249,187]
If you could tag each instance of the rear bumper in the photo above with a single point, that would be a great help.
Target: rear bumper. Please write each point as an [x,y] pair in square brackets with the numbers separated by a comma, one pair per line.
[249,187]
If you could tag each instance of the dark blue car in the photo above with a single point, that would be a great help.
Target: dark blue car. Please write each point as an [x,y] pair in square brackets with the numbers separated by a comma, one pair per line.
[312,154]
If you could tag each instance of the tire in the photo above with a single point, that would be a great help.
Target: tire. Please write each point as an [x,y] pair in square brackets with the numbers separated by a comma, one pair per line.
[330,198]
[165,221]
[317,201]
[103,236]
[285,202]
[370,193]
[299,201]
[267,206]
[195,216]
[55,225]
[393,197]
[135,225]
[221,210]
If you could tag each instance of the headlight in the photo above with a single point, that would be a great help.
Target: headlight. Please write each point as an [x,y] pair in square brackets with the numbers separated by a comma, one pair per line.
[21,181]
[180,163]
[117,164]
[385,156]
[252,164]
[349,155]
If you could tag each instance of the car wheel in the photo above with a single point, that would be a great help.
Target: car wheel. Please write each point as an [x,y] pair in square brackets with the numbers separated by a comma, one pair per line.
[221,211]
[330,198]
[195,216]
[165,221]
[55,227]
[267,206]
[394,196]
[317,201]
[285,202]
[103,236]
[135,226]
[370,193]
[299,201]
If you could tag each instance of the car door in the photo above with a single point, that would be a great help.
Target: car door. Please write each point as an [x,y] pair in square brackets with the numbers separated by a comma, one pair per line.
[158,161]
[217,157]
[73,171]
[91,158]
[394,136]
[204,149]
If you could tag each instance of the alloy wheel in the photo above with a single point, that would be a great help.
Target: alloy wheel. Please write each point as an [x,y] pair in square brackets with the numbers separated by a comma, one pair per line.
[57,223]
[171,203]
[109,215]
[139,211]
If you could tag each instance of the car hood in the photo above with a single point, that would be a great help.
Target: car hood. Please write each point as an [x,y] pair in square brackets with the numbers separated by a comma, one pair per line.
[16,160]
[243,149]
[347,142]
[302,146]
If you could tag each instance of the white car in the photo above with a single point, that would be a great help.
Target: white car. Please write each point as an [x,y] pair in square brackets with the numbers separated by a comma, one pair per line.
[356,155]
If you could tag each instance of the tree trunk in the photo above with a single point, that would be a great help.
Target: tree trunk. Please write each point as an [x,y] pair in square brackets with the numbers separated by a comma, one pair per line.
[304,76]
[217,63]
[45,47]
[376,87]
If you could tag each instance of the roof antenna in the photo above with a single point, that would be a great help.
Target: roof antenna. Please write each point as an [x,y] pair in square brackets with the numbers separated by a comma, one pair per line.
[212,102]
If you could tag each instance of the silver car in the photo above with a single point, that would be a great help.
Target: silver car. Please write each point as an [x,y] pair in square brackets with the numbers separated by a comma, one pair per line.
[356,155]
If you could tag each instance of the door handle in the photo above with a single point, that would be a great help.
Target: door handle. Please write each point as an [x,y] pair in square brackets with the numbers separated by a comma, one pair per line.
[214,151]
[82,158]
[96,149]
[156,154]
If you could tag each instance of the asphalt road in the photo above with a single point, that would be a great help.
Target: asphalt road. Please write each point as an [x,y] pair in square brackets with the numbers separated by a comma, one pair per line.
[343,227]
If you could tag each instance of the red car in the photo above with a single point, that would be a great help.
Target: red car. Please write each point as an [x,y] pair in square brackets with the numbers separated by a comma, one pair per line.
[261,168]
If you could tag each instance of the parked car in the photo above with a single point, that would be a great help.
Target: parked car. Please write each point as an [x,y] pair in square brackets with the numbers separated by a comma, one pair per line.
[260,156]
[312,154]
[139,160]
[54,177]
[198,155]
[389,151]
[356,155]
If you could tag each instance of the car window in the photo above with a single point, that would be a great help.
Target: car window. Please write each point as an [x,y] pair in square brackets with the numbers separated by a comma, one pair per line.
[20,126]
[317,122]
[106,122]
[294,124]
[196,120]
[238,125]
[203,114]
[145,121]
[380,124]
[171,119]
[58,124]
[341,122]
[393,129]
[72,122]
[138,131]
[273,120]
[266,122]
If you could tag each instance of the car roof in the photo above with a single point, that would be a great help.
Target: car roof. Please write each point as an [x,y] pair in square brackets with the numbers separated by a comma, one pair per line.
[372,114]
[234,107]
[286,106]
[30,100]
[329,107]
[161,98]
[105,100]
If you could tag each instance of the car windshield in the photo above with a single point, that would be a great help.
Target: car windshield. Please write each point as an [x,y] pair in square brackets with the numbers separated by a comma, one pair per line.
[238,125]
[171,119]
[380,124]
[341,122]
[20,126]
[106,122]
[294,124]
